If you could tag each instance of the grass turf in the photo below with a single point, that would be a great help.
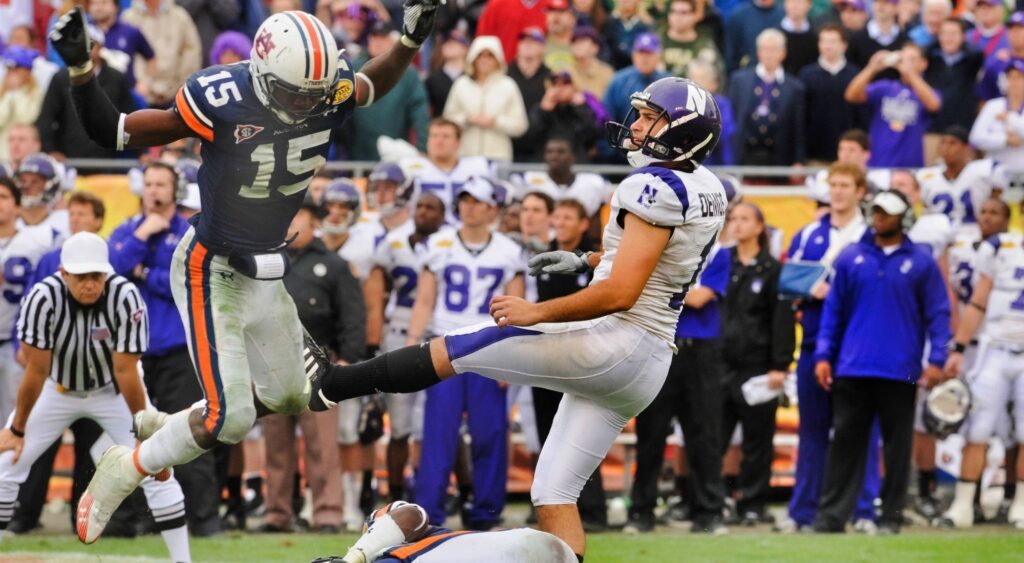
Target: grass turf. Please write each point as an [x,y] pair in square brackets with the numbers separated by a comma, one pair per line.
[985,544]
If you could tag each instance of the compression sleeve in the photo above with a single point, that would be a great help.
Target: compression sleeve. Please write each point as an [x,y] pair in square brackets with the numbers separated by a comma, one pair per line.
[102,121]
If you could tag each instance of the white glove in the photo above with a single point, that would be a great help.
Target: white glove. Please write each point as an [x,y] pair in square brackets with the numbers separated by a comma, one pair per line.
[558,262]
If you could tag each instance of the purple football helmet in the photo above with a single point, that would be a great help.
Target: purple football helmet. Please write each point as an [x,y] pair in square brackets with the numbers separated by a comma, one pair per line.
[389,172]
[694,124]
[733,189]
[49,169]
[188,173]
[343,191]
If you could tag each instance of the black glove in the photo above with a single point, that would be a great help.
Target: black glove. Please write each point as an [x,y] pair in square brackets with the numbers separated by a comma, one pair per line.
[418,21]
[71,40]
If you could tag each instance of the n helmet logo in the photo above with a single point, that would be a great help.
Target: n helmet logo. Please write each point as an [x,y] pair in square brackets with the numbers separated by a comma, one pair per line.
[647,196]
[696,99]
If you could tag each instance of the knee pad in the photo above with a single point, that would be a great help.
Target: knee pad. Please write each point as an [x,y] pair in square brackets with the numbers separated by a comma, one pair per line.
[238,419]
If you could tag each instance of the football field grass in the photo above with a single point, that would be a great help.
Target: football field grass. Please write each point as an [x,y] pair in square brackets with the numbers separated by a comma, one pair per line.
[984,544]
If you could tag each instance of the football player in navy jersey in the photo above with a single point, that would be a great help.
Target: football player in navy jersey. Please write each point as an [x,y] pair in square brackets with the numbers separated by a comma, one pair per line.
[265,126]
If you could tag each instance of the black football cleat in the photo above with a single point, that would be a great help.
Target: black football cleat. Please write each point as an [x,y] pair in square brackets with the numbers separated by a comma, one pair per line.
[317,366]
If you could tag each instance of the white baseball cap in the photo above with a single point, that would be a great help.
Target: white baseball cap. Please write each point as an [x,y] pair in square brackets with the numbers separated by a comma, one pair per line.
[890,202]
[85,253]
[482,189]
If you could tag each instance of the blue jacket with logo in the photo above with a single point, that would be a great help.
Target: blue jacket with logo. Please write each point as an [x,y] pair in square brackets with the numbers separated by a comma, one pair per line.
[166,333]
[879,311]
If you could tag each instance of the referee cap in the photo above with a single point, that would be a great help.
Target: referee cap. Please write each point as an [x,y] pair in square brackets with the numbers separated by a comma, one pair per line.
[85,253]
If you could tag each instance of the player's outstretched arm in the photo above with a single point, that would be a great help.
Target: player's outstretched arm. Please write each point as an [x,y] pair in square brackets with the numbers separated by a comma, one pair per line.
[641,248]
[380,74]
[104,124]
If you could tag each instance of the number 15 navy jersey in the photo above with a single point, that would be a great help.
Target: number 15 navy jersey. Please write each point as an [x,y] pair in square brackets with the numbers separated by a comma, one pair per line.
[255,167]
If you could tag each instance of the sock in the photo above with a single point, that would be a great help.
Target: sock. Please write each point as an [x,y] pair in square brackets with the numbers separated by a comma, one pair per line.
[1009,489]
[964,497]
[176,540]
[731,483]
[350,484]
[1018,499]
[171,445]
[233,483]
[405,370]
[926,481]
[255,484]
[681,485]
[385,533]
[579,557]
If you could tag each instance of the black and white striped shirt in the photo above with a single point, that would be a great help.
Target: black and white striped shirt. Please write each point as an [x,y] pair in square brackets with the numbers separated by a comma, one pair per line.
[84,339]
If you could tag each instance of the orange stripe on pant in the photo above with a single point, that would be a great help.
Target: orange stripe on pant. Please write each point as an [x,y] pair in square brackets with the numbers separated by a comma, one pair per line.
[413,549]
[204,362]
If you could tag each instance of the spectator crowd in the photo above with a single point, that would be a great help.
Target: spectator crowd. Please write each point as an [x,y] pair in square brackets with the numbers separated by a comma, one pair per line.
[914,108]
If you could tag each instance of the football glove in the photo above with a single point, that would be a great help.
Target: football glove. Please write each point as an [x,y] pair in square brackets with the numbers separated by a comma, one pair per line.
[71,40]
[558,262]
[418,21]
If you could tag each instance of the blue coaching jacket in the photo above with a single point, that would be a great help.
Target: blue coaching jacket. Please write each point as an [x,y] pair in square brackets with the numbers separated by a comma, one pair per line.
[166,331]
[879,310]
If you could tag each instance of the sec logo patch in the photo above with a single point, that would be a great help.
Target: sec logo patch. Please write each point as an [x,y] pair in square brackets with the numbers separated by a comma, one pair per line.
[342,92]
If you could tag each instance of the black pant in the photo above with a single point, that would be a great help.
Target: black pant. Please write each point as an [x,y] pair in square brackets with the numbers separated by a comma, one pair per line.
[693,394]
[173,386]
[591,502]
[758,434]
[32,493]
[856,401]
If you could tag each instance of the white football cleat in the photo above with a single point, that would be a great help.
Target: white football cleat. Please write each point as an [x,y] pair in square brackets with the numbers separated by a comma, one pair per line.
[145,423]
[958,517]
[116,477]
[1016,515]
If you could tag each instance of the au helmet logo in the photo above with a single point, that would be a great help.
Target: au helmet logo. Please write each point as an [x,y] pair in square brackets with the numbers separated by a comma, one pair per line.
[263,44]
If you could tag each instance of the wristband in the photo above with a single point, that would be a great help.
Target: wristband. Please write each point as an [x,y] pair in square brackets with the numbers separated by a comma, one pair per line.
[958,347]
[408,42]
[15,431]
[76,71]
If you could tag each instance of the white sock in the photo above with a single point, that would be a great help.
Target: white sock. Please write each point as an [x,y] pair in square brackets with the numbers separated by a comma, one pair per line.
[963,500]
[171,445]
[351,483]
[1018,497]
[385,533]
[177,544]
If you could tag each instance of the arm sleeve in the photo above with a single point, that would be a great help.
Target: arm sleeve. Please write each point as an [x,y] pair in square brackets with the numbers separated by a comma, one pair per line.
[935,304]
[193,109]
[49,121]
[350,316]
[132,323]
[988,133]
[35,320]
[127,252]
[512,121]
[656,195]
[833,319]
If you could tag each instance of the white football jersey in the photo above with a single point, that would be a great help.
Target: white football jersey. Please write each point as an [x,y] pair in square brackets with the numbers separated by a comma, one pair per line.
[694,206]
[880,179]
[935,230]
[468,279]
[401,263]
[362,241]
[19,258]
[962,271]
[589,189]
[428,177]
[59,220]
[961,198]
[1001,258]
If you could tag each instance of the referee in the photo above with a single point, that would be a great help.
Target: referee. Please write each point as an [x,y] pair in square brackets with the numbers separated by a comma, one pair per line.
[82,331]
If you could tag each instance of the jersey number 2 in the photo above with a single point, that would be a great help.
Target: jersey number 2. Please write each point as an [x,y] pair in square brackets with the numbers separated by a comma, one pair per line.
[294,163]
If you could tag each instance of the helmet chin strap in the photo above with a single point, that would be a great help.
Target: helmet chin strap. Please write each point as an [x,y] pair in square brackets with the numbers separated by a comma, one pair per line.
[332,229]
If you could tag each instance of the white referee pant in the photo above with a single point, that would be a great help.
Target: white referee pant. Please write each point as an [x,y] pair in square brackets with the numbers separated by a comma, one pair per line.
[10,379]
[52,414]
[608,369]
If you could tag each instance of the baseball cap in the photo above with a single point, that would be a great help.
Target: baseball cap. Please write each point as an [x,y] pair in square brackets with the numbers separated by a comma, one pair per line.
[482,189]
[858,5]
[380,28]
[457,35]
[534,33]
[85,253]
[558,5]
[890,202]
[561,77]
[647,43]
[16,56]
[991,2]
[1016,18]
[585,32]
[959,132]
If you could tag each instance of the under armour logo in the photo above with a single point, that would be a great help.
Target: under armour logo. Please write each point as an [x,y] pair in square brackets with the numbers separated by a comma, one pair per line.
[264,44]
[226,275]
[647,196]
